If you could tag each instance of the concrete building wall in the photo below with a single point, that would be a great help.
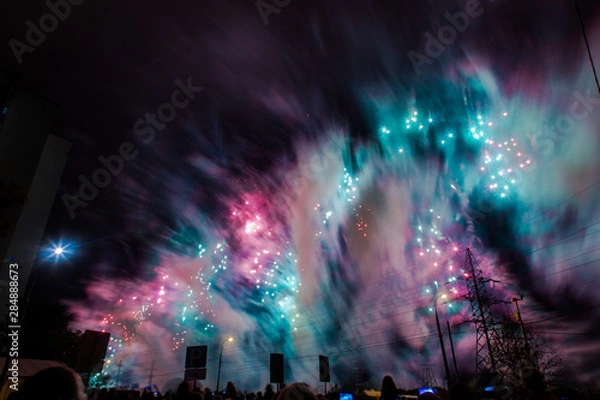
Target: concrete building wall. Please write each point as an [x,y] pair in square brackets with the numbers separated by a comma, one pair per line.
[33,160]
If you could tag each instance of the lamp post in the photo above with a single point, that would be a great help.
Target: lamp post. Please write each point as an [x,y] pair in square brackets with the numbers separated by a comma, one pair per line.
[220,362]
[439,329]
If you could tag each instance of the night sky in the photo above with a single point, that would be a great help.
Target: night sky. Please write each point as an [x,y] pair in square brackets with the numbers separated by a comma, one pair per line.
[317,176]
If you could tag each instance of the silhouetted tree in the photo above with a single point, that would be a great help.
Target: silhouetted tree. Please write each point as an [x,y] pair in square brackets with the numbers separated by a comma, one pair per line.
[45,334]
[513,353]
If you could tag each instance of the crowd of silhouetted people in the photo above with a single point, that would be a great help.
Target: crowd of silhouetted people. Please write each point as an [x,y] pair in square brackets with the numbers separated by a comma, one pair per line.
[62,383]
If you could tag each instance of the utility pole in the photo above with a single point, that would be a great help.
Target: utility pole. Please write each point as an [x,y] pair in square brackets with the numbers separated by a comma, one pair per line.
[528,350]
[151,373]
[119,373]
[441,338]
[452,348]
[516,301]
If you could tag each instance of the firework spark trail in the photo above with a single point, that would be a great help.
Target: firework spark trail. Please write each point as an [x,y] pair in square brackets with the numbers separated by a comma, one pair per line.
[393,228]
[342,251]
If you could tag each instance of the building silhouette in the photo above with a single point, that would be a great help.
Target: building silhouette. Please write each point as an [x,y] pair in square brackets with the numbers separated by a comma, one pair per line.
[32,161]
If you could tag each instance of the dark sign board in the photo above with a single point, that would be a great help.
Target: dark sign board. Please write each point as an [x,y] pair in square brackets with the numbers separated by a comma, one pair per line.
[324,369]
[276,368]
[195,374]
[195,357]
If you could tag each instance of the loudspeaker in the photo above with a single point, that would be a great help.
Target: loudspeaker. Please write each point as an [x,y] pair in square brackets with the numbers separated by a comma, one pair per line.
[324,369]
[276,368]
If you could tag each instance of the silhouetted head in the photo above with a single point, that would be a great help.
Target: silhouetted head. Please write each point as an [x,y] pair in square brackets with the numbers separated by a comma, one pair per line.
[183,390]
[459,391]
[56,383]
[296,391]
[388,383]
[533,380]
[388,388]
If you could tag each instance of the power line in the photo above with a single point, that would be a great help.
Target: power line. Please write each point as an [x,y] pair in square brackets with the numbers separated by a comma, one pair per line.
[541,214]
[575,267]
[587,44]
[591,334]
[357,306]
[389,316]
[562,239]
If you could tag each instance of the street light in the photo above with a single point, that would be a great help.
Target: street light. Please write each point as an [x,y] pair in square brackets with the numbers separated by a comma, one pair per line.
[59,251]
[439,329]
[56,251]
[220,362]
